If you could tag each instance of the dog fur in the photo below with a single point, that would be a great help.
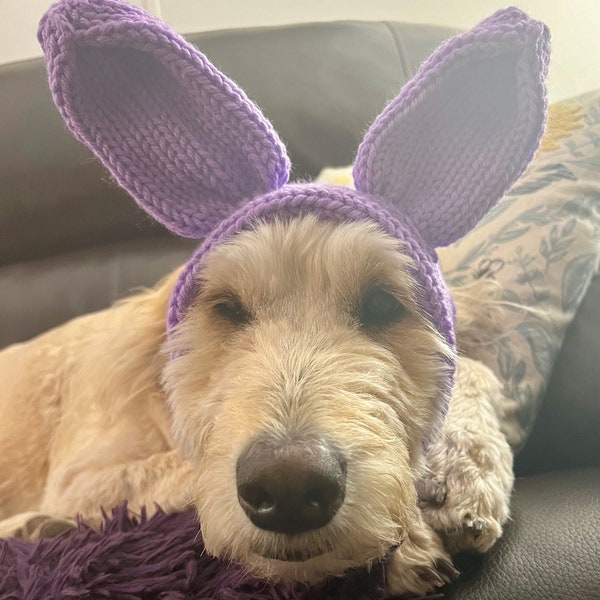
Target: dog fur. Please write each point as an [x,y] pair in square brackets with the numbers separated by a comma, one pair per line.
[104,409]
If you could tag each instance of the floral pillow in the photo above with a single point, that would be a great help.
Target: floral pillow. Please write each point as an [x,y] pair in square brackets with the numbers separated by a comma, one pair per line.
[541,244]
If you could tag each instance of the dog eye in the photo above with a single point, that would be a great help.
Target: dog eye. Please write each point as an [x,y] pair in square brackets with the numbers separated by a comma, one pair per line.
[232,311]
[380,308]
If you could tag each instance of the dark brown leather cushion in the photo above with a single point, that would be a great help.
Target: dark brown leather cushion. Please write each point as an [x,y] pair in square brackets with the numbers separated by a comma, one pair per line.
[550,549]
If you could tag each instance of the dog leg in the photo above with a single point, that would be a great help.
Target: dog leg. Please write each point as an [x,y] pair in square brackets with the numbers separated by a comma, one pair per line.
[164,479]
[466,495]
[419,564]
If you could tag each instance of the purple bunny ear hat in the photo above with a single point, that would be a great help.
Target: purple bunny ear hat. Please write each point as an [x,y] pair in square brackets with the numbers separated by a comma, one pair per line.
[196,154]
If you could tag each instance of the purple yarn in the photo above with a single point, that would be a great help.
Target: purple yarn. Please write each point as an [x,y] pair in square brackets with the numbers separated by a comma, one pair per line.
[197,154]
[485,86]
[161,557]
[336,204]
[158,114]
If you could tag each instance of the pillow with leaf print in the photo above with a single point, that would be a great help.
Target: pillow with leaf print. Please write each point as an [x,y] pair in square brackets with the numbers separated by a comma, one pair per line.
[541,244]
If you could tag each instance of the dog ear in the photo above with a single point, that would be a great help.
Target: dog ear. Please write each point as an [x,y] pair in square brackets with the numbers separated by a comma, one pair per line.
[178,135]
[462,130]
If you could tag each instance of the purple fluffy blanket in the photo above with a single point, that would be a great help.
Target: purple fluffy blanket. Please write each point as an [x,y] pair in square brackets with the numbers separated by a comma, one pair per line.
[161,557]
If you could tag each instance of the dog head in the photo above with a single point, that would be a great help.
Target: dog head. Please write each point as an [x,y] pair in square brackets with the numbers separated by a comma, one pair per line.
[311,334]
[302,389]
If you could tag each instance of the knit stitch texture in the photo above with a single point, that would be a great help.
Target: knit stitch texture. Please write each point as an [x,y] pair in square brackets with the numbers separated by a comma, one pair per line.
[196,154]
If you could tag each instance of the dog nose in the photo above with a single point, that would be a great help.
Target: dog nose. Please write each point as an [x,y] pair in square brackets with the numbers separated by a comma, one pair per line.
[290,487]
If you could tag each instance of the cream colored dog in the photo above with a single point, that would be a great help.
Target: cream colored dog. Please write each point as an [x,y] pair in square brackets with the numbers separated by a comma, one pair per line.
[296,394]
[93,413]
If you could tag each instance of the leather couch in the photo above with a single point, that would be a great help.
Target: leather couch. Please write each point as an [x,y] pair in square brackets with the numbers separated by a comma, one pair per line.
[71,242]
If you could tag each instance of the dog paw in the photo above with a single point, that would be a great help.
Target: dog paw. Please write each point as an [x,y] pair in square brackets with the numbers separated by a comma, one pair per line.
[35,526]
[471,518]
[480,533]
[470,465]
[419,565]
[474,533]
[465,497]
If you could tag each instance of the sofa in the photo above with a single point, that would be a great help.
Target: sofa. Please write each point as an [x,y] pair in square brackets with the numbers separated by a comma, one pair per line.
[71,242]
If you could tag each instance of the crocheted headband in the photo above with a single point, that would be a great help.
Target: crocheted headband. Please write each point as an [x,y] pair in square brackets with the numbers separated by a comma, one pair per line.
[196,154]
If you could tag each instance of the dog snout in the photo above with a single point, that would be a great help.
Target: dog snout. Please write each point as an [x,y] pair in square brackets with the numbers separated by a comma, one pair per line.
[290,487]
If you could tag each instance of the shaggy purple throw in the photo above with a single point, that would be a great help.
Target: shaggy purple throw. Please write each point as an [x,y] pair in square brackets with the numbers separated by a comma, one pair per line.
[158,558]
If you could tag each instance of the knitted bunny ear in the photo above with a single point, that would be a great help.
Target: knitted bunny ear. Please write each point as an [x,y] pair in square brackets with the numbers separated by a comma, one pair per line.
[179,136]
[462,130]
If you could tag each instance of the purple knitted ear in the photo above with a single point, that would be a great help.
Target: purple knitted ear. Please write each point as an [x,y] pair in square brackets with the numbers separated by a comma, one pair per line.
[179,136]
[463,129]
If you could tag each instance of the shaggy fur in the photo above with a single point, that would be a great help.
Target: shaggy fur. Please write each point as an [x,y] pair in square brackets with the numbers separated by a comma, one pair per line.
[102,410]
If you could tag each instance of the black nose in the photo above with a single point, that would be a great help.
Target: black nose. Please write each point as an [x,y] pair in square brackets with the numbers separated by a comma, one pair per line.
[290,487]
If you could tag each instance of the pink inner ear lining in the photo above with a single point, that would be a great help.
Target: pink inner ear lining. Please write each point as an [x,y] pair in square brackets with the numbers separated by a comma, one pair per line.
[174,132]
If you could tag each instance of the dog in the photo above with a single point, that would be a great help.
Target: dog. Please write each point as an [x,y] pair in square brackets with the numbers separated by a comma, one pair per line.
[303,397]
[303,372]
